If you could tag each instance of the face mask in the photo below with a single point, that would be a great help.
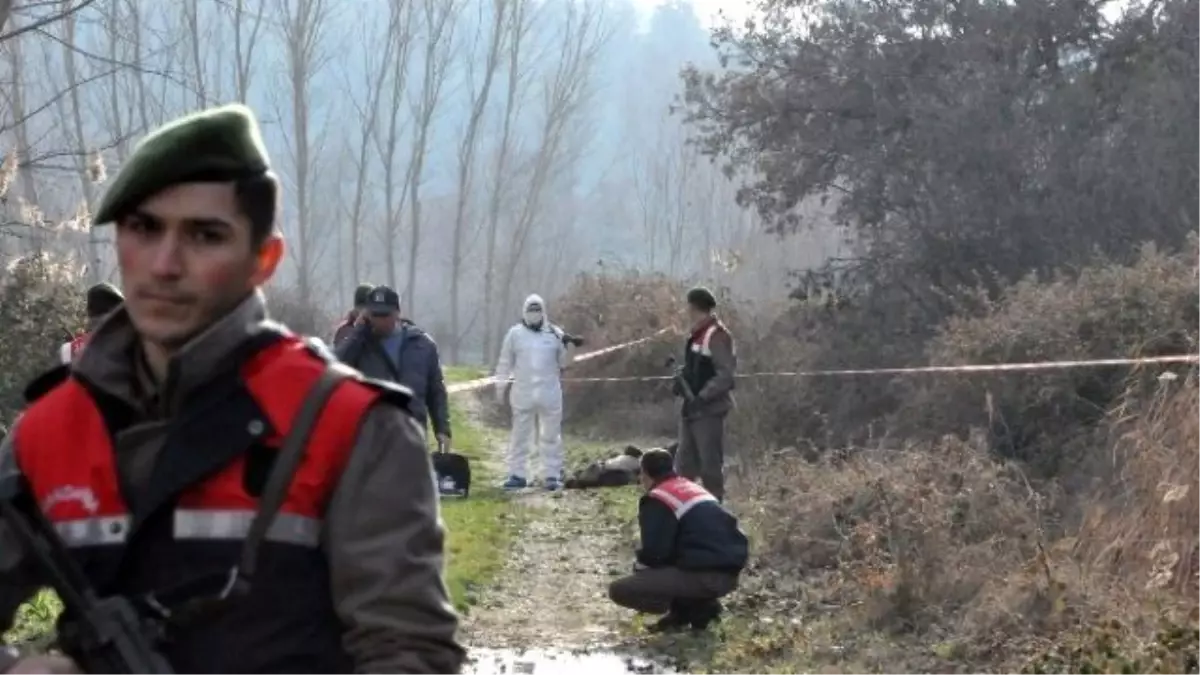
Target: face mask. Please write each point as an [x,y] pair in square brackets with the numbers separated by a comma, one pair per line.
[533,318]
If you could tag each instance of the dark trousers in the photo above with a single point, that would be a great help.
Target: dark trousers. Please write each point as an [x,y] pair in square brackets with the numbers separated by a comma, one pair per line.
[653,590]
[701,452]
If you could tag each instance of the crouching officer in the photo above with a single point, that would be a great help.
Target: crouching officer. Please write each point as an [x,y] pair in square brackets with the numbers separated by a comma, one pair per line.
[692,550]
[155,452]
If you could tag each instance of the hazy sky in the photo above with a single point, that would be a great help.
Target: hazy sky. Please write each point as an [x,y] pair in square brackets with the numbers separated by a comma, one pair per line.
[706,10]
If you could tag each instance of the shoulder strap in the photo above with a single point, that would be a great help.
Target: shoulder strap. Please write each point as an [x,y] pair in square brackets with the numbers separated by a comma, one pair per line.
[286,462]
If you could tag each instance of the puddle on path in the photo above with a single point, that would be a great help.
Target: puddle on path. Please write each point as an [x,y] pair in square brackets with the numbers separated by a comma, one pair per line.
[548,661]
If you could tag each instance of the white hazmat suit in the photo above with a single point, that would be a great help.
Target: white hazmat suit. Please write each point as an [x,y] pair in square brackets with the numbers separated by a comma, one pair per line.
[533,355]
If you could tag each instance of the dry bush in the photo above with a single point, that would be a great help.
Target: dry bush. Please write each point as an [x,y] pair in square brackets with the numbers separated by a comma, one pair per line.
[41,306]
[288,308]
[1143,523]
[1104,311]
[608,309]
[937,557]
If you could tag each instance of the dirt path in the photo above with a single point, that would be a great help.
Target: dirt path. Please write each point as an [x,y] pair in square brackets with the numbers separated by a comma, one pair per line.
[552,592]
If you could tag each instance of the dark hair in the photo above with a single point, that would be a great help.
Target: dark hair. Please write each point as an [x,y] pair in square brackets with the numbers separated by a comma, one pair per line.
[258,199]
[657,464]
[632,451]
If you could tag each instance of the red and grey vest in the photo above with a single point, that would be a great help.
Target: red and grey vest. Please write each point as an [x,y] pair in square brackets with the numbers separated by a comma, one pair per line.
[70,350]
[190,521]
[698,366]
[681,495]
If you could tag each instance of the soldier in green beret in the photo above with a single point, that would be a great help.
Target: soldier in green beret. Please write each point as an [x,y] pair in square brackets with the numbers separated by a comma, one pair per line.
[155,455]
[706,387]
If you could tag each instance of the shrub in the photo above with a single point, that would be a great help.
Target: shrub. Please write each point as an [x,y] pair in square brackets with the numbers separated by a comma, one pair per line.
[286,307]
[41,306]
[1104,311]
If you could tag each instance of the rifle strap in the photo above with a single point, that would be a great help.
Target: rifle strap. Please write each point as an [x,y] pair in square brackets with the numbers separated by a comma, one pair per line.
[291,453]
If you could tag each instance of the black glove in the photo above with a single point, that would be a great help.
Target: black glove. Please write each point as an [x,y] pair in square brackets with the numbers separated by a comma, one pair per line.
[568,339]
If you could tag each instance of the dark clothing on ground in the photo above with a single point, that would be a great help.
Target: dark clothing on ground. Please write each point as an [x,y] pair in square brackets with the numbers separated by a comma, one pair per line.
[655,590]
[409,358]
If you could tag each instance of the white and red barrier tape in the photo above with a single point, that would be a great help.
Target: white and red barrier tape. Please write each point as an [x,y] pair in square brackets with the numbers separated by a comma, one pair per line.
[472,385]
[913,370]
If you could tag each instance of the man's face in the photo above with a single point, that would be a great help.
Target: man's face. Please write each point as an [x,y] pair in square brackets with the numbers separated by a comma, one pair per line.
[696,315]
[384,323]
[647,482]
[186,260]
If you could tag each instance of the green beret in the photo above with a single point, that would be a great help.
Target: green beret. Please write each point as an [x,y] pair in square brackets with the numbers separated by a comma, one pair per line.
[218,144]
[361,293]
[702,298]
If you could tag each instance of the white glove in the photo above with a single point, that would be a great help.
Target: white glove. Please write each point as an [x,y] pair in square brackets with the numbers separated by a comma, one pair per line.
[638,567]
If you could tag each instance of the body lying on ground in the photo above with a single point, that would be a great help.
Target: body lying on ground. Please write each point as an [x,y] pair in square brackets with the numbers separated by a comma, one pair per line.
[616,471]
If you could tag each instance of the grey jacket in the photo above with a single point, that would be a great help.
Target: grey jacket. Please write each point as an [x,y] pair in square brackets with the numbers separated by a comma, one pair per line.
[420,370]
[382,531]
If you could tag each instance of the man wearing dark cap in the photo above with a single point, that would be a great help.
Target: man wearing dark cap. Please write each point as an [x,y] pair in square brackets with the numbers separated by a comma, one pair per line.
[355,316]
[161,456]
[102,300]
[389,348]
[706,388]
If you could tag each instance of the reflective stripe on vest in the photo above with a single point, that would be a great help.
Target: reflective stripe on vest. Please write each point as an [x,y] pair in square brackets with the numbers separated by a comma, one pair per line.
[70,350]
[62,446]
[701,346]
[681,495]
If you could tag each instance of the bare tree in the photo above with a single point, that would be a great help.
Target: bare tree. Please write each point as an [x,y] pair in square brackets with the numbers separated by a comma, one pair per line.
[387,140]
[113,22]
[19,113]
[565,93]
[191,22]
[466,161]
[396,35]
[243,44]
[518,28]
[81,151]
[439,19]
[303,26]
[37,21]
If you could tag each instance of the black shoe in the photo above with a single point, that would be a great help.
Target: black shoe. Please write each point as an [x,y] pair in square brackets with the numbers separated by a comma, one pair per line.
[704,614]
[674,620]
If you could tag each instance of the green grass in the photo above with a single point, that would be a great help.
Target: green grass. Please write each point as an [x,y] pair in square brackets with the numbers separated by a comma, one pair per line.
[480,528]
[463,373]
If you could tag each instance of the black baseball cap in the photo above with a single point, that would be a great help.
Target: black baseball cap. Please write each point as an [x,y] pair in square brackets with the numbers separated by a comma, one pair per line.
[383,300]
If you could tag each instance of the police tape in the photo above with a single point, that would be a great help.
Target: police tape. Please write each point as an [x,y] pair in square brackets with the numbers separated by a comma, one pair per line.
[473,385]
[915,370]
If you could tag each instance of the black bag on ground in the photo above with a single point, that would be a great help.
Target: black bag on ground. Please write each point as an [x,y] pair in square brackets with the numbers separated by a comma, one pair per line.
[453,474]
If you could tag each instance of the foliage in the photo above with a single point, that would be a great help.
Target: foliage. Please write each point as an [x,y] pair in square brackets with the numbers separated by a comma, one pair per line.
[41,307]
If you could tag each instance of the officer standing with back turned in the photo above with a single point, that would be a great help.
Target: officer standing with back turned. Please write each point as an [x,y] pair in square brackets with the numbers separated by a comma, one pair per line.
[155,453]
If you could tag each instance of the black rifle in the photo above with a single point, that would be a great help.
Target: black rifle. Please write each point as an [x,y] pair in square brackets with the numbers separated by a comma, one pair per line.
[567,338]
[108,635]
[680,383]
